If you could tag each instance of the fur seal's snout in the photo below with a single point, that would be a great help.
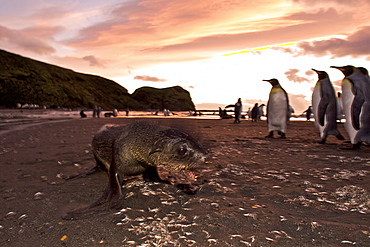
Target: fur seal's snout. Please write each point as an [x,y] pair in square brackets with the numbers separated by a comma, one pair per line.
[139,148]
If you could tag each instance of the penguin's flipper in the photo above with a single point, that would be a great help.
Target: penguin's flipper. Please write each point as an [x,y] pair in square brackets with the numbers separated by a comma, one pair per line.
[324,102]
[356,107]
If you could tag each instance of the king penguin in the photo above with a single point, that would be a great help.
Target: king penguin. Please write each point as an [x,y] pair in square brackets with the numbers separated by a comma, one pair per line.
[356,104]
[277,109]
[324,106]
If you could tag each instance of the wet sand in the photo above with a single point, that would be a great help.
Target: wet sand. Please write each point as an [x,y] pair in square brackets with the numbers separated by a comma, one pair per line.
[258,191]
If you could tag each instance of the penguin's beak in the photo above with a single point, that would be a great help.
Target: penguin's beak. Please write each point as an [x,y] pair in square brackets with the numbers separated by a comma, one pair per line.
[346,70]
[338,67]
[318,71]
[267,80]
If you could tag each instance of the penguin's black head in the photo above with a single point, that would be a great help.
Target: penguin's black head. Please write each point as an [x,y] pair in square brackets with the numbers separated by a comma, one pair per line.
[274,82]
[346,70]
[363,70]
[322,74]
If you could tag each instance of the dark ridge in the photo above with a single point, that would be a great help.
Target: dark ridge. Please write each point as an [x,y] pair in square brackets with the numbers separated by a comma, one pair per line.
[27,81]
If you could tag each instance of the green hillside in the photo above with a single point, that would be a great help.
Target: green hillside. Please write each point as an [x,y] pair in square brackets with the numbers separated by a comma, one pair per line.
[173,98]
[27,81]
[24,80]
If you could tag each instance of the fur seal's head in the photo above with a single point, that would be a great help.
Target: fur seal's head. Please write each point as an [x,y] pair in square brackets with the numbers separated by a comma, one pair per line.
[176,150]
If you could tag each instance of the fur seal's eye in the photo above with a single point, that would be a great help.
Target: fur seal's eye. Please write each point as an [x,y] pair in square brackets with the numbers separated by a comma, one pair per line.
[182,151]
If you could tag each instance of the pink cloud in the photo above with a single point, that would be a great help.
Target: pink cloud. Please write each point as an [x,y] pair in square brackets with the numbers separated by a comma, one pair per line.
[337,85]
[94,61]
[320,23]
[331,2]
[47,32]
[292,76]
[21,40]
[355,45]
[154,23]
[310,72]
[299,102]
[321,15]
[133,18]
[142,32]
[50,15]
[148,78]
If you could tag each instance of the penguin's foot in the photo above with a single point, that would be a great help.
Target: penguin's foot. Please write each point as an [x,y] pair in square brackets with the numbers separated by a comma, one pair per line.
[282,135]
[356,146]
[323,141]
[352,147]
[270,135]
[340,137]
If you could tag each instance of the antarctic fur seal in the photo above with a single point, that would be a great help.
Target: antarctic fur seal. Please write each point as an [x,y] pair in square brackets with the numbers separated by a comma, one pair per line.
[138,148]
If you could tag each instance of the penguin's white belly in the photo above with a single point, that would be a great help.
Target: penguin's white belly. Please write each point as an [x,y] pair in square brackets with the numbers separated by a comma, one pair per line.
[316,98]
[277,110]
[347,99]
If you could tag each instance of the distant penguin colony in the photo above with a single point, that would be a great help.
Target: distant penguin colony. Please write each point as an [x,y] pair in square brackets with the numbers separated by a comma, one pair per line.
[277,109]
[353,102]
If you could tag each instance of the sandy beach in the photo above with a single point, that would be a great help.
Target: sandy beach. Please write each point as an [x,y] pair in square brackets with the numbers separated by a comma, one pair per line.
[257,191]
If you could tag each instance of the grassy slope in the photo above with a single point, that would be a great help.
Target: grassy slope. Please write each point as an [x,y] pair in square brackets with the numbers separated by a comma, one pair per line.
[173,98]
[24,80]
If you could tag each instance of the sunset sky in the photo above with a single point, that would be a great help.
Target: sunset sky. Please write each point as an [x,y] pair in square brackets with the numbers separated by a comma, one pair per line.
[217,50]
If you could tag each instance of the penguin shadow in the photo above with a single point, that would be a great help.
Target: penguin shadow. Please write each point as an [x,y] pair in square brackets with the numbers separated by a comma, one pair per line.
[268,139]
[348,146]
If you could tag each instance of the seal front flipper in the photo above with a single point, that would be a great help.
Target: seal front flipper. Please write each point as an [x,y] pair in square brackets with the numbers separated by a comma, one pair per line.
[113,192]
[109,200]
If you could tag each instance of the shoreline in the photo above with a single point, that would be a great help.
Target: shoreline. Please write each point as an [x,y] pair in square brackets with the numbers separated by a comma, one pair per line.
[16,119]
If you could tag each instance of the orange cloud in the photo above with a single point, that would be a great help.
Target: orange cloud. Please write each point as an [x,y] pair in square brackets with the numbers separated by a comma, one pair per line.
[165,23]
[46,32]
[292,76]
[94,61]
[148,78]
[141,33]
[356,44]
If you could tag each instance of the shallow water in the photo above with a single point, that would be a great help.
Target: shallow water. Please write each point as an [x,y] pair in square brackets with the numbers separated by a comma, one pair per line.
[15,119]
